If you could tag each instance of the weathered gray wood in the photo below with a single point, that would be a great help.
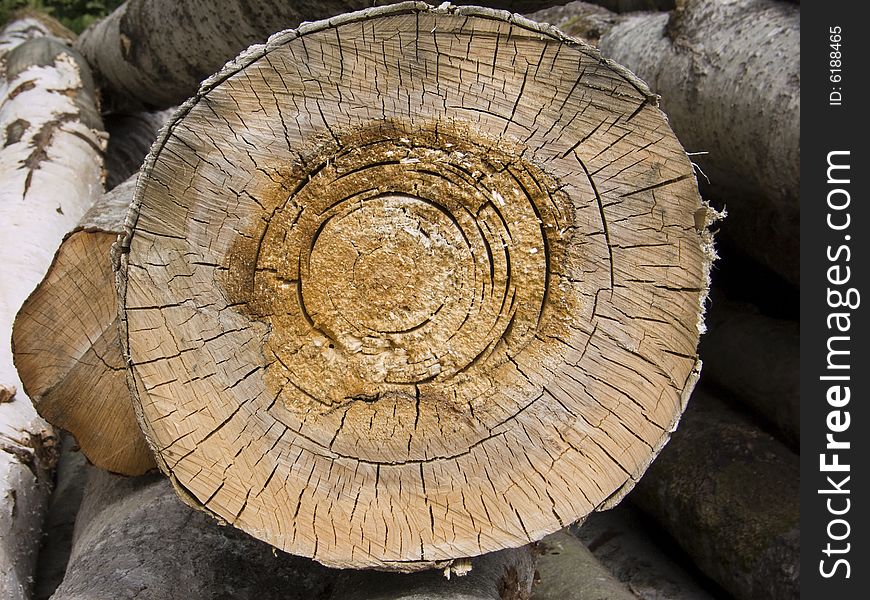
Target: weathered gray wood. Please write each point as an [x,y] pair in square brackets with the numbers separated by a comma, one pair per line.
[155,53]
[757,360]
[130,138]
[135,539]
[622,539]
[543,320]
[567,570]
[729,495]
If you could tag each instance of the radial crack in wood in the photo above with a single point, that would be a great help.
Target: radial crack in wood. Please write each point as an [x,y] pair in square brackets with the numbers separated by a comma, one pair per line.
[413,284]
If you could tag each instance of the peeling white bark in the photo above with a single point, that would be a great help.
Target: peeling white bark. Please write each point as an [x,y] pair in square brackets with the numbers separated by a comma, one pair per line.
[50,172]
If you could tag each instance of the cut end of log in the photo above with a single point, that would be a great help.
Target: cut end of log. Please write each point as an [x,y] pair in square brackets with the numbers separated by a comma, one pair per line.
[400,288]
[75,376]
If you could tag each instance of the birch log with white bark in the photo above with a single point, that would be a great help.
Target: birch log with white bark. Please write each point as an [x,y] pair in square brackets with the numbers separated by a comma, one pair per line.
[142,51]
[400,287]
[67,348]
[50,172]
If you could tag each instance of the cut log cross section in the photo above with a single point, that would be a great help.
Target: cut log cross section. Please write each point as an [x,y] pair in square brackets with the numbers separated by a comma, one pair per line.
[399,287]
[77,380]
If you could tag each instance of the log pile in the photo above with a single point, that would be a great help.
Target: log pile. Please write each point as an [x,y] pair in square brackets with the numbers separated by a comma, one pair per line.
[410,289]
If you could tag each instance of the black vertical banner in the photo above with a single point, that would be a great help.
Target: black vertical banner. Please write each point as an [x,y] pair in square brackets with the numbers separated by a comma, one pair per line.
[835,299]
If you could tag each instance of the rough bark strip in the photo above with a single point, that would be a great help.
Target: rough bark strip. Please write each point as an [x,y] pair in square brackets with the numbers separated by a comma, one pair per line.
[504,575]
[629,548]
[141,52]
[756,359]
[567,570]
[135,539]
[728,494]
[365,190]
[729,76]
[67,348]
[50,172]
[585,20]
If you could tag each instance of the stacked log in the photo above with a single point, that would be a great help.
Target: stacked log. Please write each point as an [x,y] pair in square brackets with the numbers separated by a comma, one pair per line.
[637,553]
[328,276]
[756,359]
[734,104]
[77,381]
[130,138]
[567,570]
[729,494]
[142,51]
[50,172]
[134,539]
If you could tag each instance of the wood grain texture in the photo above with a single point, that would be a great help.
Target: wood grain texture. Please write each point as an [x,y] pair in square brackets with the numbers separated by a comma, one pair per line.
[411,285]
[67,348]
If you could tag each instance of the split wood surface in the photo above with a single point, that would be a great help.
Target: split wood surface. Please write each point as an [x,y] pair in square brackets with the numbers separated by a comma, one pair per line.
[66,339]
[399,285]
[50,172]
[77,381]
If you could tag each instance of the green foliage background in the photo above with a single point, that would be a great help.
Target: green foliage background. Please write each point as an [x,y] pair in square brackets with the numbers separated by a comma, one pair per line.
[74,14]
